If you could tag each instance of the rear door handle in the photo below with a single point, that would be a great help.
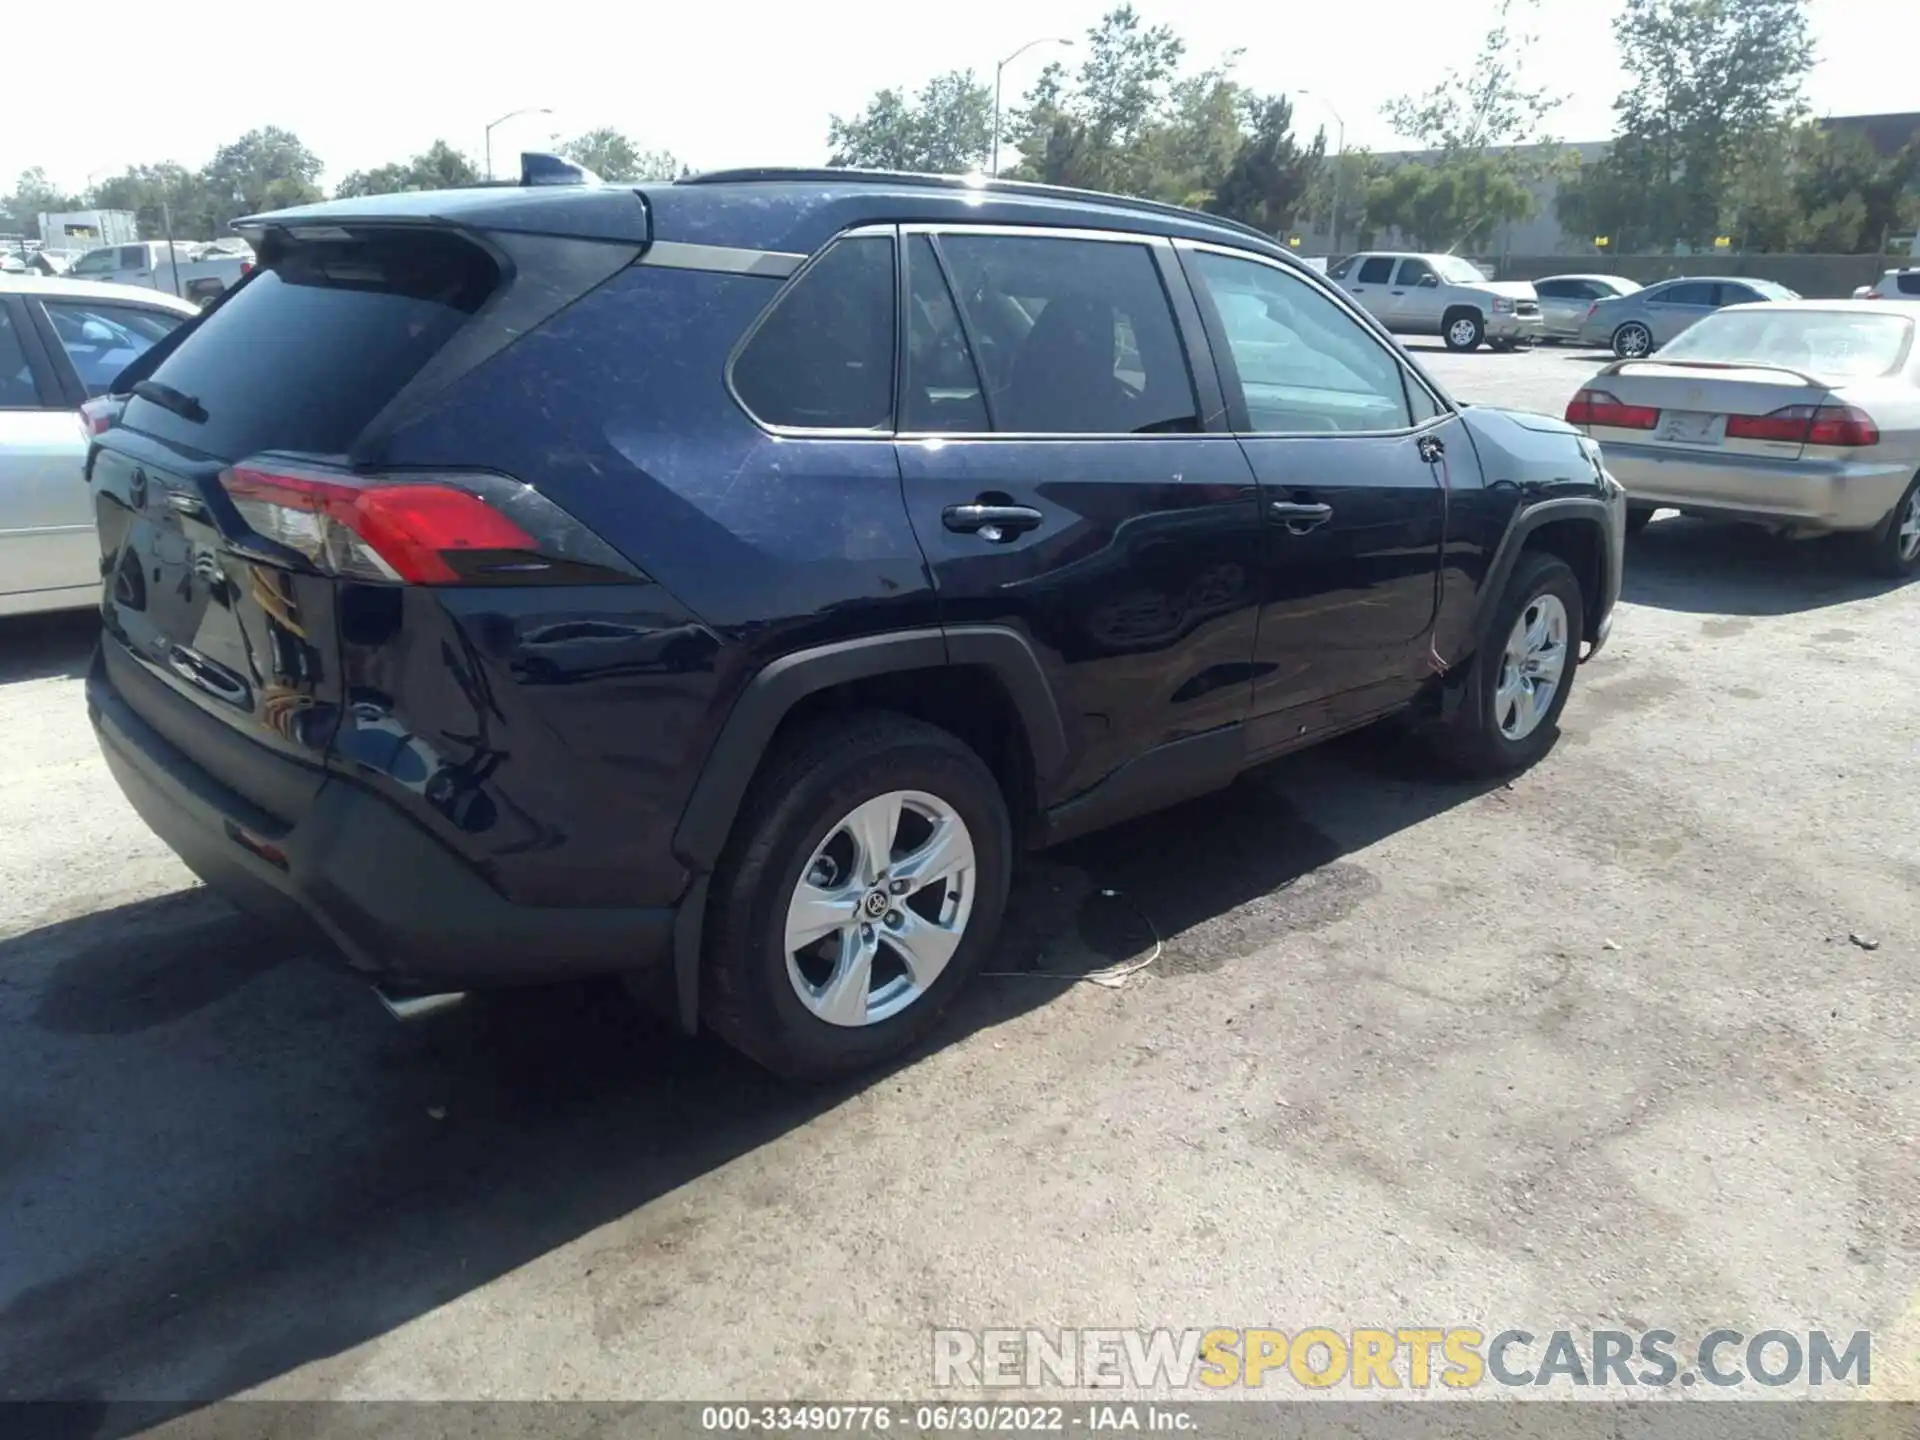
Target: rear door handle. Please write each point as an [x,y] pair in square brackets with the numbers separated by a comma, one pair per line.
[1300,518]
[997,523]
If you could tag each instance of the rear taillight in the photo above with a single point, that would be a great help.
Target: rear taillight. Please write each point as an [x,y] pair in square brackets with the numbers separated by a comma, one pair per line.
[418,529]
[1598,407]
[98,414]
[246,268]
[1591,308]
[1807,425]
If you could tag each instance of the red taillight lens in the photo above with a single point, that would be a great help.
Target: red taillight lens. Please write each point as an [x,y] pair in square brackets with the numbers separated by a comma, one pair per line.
[1807,425]
[379,529]
[246,267]
[1598,407]
[98,414]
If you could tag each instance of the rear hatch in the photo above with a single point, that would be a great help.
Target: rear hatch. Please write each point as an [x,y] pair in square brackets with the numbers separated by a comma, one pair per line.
[1701,407]
[227,493]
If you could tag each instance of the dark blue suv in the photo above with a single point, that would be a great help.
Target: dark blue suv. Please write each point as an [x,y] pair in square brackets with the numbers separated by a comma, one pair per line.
[719,582]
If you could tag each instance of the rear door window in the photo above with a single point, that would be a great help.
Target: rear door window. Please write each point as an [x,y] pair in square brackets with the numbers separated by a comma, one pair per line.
[943,393]
[1075,337]
[1693,293]
[1375,270]
[17,390]
[317,342]
[102,340]
[822,358]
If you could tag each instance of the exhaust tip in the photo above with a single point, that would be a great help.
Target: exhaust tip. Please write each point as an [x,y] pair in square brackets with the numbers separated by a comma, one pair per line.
[418,1007]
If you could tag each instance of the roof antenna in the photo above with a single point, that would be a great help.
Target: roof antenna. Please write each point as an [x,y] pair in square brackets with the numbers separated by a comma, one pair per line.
[537,167]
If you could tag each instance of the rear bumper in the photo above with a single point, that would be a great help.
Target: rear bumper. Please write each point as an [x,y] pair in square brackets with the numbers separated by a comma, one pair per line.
[1819,493]
[398,905]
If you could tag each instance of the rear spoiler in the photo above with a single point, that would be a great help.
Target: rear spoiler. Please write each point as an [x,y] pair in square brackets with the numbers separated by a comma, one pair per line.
[1620,366]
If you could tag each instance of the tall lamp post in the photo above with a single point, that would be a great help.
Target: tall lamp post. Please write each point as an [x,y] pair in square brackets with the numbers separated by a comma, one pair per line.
[511,114]
[1043,40]
[1340,142]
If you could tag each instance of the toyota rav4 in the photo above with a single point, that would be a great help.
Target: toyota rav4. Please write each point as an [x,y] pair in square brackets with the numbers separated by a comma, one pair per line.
[717,583]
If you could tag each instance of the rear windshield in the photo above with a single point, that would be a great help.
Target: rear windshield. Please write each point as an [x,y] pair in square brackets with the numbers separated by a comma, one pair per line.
[314,344]
[1839,344]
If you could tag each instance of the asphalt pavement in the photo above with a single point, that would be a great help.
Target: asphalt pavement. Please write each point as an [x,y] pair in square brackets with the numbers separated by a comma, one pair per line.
[1627,1041]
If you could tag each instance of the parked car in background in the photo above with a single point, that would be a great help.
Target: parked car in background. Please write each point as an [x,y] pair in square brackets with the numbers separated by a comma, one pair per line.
[1640,323]
[61,341]
[1903,284]
[620,646]
[1441,295]
[192,271]
[1804,415]
[1566,299]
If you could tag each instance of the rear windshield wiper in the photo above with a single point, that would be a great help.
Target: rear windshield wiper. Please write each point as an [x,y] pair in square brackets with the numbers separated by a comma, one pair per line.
[168,398]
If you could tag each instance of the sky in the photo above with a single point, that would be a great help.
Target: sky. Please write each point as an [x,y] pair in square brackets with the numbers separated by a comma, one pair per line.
[364,82]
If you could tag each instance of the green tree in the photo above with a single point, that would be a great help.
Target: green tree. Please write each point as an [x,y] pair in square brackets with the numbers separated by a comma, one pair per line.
[613,156]
[1096,129]
[438,167]
[156,193]
[1267,181]
[32,194]
[1482,127]
[1336,200]
[1707,82]
[1447,207]
[265,169]
[947,129]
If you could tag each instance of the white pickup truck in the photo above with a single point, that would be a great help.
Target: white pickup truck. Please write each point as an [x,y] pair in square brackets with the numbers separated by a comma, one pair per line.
[1441,295]
[193,272]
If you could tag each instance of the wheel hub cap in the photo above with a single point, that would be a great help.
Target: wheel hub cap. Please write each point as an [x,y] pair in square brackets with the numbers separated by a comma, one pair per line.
[880,908]
[1531,667]
[1910,528]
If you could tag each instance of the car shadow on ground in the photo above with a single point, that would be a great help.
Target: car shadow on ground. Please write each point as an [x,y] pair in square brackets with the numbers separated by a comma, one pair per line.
[222,1161]
[1726,568]
[42,647]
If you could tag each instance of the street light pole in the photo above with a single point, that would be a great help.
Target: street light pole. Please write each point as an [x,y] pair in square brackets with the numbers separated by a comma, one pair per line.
[1340,141]
[994,165]
[528,110]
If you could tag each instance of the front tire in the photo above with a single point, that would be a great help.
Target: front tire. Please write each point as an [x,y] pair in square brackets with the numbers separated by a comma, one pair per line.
[1894,549]
[1522,672]
[1463,331]
[1633,341]
[863,884]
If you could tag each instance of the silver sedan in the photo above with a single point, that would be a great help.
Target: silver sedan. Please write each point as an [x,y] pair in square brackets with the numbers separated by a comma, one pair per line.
[61,341]
[1802,415]
[1566,299]
[1638,324]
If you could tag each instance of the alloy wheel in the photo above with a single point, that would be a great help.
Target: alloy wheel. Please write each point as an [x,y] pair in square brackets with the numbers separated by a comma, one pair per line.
[880,908]
[1634,342]
[1910,528]
[1461,333]
[1531,667]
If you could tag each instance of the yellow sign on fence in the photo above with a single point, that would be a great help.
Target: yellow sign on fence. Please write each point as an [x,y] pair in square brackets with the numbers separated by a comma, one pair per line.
[1600,242]
[1722,242]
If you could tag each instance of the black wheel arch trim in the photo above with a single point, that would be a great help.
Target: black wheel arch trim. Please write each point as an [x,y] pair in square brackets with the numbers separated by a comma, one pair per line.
[1591,508]
[783,683]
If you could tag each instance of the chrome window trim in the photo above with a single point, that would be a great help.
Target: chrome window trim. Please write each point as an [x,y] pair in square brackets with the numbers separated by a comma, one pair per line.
[934,229]
[1409,375]
[721,259]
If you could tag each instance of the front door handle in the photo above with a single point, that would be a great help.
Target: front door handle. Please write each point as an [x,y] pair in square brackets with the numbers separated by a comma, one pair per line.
[1298,518]
[995,523]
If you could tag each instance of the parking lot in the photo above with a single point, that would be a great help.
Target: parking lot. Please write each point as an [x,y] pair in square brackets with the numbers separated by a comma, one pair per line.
[1627,1041]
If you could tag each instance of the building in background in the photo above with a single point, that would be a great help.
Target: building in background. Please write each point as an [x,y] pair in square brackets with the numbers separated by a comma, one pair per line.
[1543,235]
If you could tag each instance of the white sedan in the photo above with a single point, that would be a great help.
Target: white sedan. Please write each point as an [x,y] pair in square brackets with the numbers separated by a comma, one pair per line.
[61,342]
[1803,415]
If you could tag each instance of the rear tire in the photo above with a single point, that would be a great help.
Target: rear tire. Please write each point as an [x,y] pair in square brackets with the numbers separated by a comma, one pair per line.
[1463,330]
[1633,341]
[1893,550]
[1503,722]
[798,845]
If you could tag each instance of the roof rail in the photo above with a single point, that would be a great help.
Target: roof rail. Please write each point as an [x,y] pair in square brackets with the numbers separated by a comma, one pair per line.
[772,175]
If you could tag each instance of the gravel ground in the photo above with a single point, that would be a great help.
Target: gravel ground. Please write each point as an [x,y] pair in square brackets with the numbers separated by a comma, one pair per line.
[1592,1048]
